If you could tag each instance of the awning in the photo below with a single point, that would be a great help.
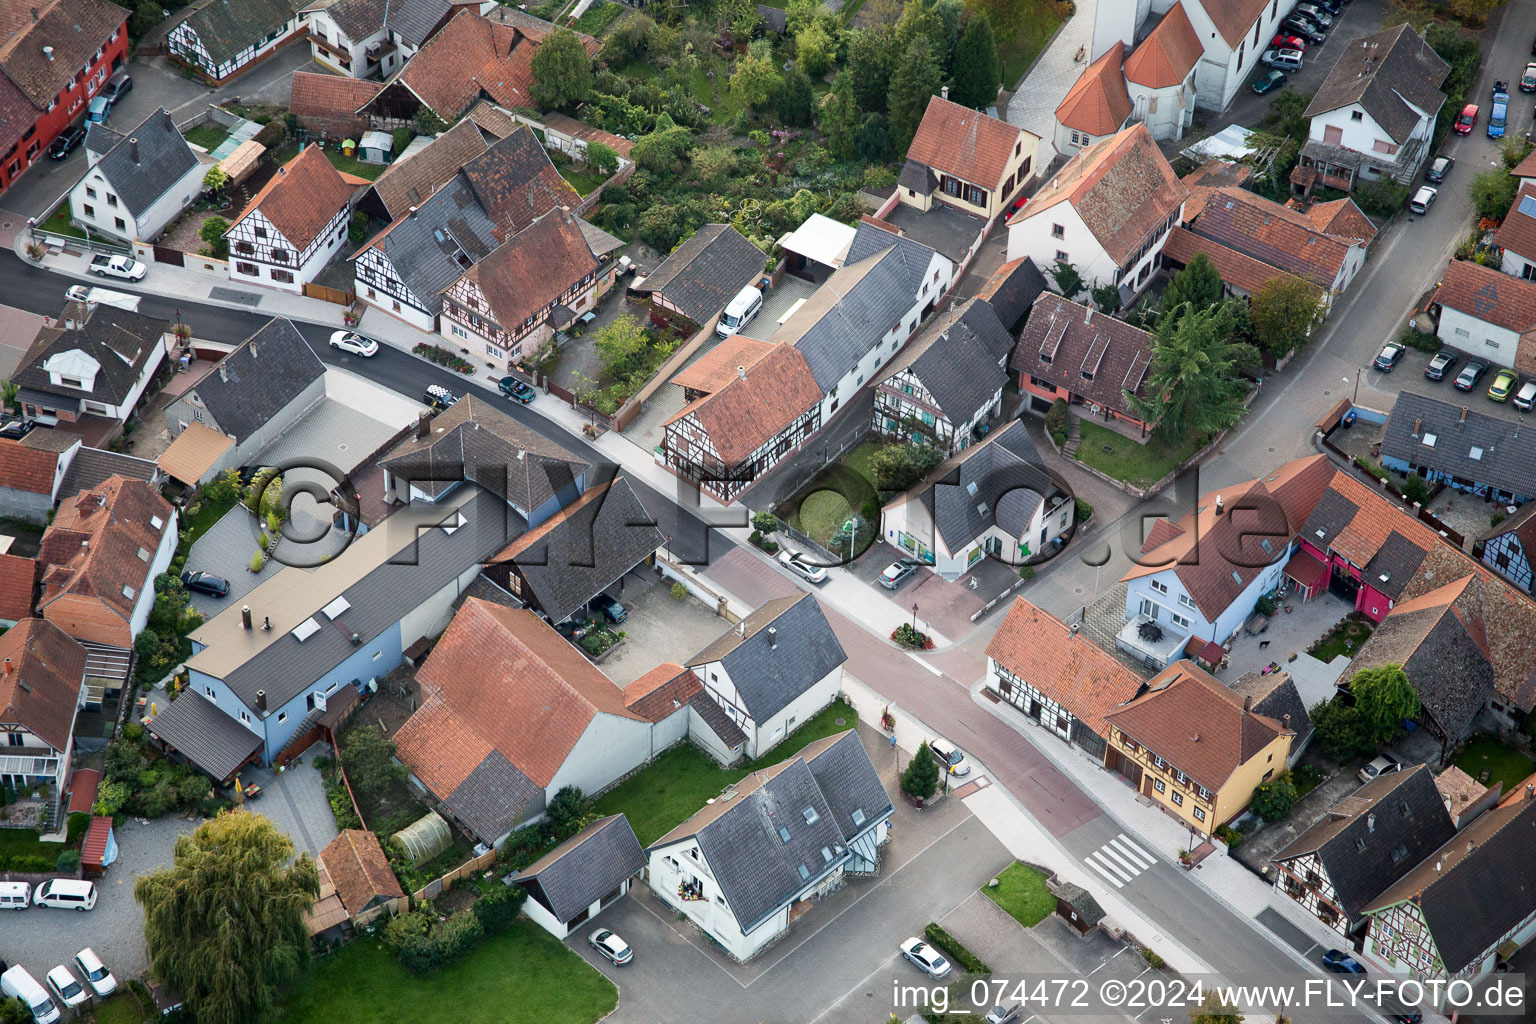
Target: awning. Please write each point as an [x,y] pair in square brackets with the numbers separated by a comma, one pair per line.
[204,735]
[1307,570]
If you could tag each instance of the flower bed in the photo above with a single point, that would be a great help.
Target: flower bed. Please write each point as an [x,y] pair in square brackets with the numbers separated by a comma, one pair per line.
[905,635]
[442,357]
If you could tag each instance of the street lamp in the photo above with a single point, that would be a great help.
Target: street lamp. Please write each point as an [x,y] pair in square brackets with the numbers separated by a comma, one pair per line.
[1356,397]
[914,617]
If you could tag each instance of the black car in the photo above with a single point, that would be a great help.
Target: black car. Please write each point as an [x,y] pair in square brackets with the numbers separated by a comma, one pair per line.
[516,390]
[1470,374]
[608,608]
[1333,7]
[437,398]
[1438,168]
[66,141]
[206,583]
[1388,357]
[118,86]
[1442,362]
[1298,26]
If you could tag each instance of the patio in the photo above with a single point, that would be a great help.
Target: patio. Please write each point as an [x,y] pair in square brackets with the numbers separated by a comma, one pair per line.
[1292,633]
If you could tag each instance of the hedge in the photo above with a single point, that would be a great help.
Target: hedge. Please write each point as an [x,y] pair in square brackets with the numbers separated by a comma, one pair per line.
[958,953]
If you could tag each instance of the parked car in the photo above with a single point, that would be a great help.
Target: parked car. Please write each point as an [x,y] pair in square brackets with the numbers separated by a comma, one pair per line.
[118,266]
[928,960]
[95,972]
[1526,396]
[1470,374]
[897,572]
[1503,385]
[1283,41]
[437,398]
[67,987]
[351,341]
[1438,168]
[1341,962]
[1498,115]
[797,564]
[1386,764]
[1388,356]
[18,983]
[65,142]
[608,608]
[1004,1014]
[516,390]
[1269,81]
[1304,28]
[1443,361]
[118,86]
[1528,78]
[1285,60]
[612,948]
[1315,14]
[98,110]
[1423,199]
[206,583]
[1465,120]
[1333,7]
[948,755]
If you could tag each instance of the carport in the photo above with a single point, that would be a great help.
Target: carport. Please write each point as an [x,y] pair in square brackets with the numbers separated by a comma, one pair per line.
[206,737]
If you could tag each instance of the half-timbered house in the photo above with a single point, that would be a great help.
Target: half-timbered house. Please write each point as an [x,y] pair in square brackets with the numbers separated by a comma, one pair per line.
[1509,549]
[294,225]
[226,37]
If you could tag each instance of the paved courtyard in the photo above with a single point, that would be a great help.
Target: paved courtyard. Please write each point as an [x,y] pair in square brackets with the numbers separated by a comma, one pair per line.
[226,550]
[1291,633]
[659,628]
[295,801]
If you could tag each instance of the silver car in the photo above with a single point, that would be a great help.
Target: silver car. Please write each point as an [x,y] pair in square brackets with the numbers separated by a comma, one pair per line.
[897,572]
[612,948]
[797,564]
[1386,764]
[1423,199]
[928,960]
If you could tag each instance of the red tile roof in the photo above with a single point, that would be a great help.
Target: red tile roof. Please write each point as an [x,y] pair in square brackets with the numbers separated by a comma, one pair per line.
[1069,333]
[83,784]
[41,670]
[533,268]
[1192,721]
[302,197]
[1098,102]
[1267,231]
[965,143]
[1166,57]
[717,367]
[578,130]
[331,100]
[18,586]
[1526,168]
[411,182]
[663,690]
[1342,219]
[1235,19]
[359,870]
[1236,269]
[26,469]
[1518,231]
[1121,187]
[93,852]
[1062,664]
[73,30]
[747,412]
[1488,294]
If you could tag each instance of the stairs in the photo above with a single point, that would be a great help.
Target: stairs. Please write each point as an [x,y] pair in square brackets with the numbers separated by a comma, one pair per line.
[1074,437]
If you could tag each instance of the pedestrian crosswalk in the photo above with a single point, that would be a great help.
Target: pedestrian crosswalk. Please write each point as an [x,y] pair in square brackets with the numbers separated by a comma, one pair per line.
[1119,860]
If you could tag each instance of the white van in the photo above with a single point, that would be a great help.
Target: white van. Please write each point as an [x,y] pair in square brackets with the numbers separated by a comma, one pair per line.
[65,894]
[18,983]
[740,312]
[15,895]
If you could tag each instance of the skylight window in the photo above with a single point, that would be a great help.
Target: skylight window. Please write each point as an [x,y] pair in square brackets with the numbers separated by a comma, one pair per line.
[784,833]
[1236,577]
[858,816]
[810,815]
[451,524]
[128,592]
[1476,453]
[970,488]
[143,555]
[805,873]
[156,522]
[826,854]
[336,607]
[1430,439]
[306,629]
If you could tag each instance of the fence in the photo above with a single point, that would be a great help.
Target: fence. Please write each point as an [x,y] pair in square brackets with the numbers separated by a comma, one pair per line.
[337,295]
[441,885]
[680,573]
[1005,595]
[71,242]
[1373,471]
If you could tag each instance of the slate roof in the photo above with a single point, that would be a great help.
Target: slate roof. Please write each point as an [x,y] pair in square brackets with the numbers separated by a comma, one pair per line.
[958,357]
[716,720]
[771,669]
[91,467]
[494,797]
[1012,290]
[301,198]
[474,440]
[144,165]
[1080,900]
[1488,294]
[1168,54]
[1389,74]
[533,268]
[1121,187]
[965,143]
[584,548]
[119,340]
[1063,339]
[359,870]
[1196,724]
[18,586]
[214,742]
[1467,443]
[1062,663]
[748,411]
[1374,836]
[258,378]
[704,273]
[411,182]
[433,245]
[101,545]
[75,29]
[1275,696]
[384,574]
[586,867]
[42,689]
[1475,888]
[99,138]
[226,27]
[414,20]
[1009,483]
[1098,102]
[856,795]
[872,237]
[1267,231]
[516,183]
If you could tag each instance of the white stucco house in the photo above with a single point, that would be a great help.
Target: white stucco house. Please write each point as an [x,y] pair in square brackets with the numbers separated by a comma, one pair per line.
[1489,314]
[96,360]
[367,39]
[293,227]
[136,182]
[1517,234]
[583,876]
[43,687]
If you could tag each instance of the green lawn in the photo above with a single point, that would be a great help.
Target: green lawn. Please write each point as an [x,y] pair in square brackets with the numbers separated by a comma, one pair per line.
[22,841]
[122,1008]
[581,179]
[674,786]
[521,975]
[858,459]
[1345,638]
[1021,891]
[1503,764]
[210,135]
[1037,21]
[1140,465]
[193,527]
[344,164]
[822,514]
[58,222]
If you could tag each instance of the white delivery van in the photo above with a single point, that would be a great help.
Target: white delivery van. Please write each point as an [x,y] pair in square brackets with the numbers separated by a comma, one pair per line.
[65,894]
[15,895]
[740,312]
[18,983]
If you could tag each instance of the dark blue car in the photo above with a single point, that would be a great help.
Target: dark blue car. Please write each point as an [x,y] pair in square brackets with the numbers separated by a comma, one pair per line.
[1341,962]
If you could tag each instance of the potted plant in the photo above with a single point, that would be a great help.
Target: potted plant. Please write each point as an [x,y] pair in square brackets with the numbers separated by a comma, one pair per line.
[36,252]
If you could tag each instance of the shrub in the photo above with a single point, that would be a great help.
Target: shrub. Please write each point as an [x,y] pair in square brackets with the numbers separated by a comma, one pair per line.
[497,909]
[1056,418]
[1084,510]
[1274,799]
[79,825]
[68,862]
[1153,960]
[258,560]
[1026,572]
[568,812]
[764,522]
[1416,488]
[1265,605]
[968,961]
[1230,836]
[678,592]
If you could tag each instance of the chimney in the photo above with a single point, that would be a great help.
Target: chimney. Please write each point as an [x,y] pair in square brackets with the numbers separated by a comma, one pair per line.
[34,21]
[1370,823]
[423,425]
[1285,720]
[1462,419]
[1221,506]
[1072,629]
[7,666]
[48,52]
[1247,703]
[245,616]
[133,149]
[261,700]
[266,624]
[84,545]
[773,638]
[356,640]
[1470,846]
[1418,427]
[944,92]
[741,371]
[1195,738]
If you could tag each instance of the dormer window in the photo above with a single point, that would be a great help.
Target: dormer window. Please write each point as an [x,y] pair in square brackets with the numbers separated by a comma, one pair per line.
[156,522]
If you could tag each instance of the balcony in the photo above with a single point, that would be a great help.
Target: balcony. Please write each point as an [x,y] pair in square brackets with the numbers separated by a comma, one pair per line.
[1155,644]
[378,51]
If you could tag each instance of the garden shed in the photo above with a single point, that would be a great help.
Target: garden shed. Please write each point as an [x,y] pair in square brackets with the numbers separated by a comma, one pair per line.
[1078,908]
[376,148]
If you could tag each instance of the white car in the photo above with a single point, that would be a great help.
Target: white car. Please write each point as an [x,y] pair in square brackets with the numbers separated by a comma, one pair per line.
[928,960]
[1285,60]
[948,755]
[612,948]
[351,341]
[1423,199]
[95,972]
[70,992]
[797,564]
[1386,764]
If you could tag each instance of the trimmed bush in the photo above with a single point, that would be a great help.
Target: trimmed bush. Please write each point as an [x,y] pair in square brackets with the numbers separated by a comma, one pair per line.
[497,909]
[968,961]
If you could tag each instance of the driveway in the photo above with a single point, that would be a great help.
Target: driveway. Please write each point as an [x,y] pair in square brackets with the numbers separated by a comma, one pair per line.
[659,628]
[226,550]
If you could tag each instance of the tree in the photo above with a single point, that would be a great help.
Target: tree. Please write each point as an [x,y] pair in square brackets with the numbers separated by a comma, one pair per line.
[792,102]
[664,149]
[1340,730]
[1106,296]
[1384,700]
[1193,388]
[224,925]
[621,346]
[740,17]
[920,19]
[922,775]
[497,909]
[897,466]
[568,812]
[1289,108]
[814,50]
[765,522]
[1492,192]
[1474,12]
[978,71]
[840,117]
[216,181]
[426,122]
[602,158]
[800,15]
[1285,312]
[1274,798]
[756,77]
[912,85]
[562,71]
[212,232]
[870,56]
[1416,488]
[1214,1011]
[368,759]
[9,389]
[1068,281]
[15,1011]
[872,139]
[1198,285]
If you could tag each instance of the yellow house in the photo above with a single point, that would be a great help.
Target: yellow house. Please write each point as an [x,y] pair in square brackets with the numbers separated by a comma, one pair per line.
[966,159]
[1195,747]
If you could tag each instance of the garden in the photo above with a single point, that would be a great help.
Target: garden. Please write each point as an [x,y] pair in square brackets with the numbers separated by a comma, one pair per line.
[1490,761]
[842,502]
[1140,465]
[1345,638]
